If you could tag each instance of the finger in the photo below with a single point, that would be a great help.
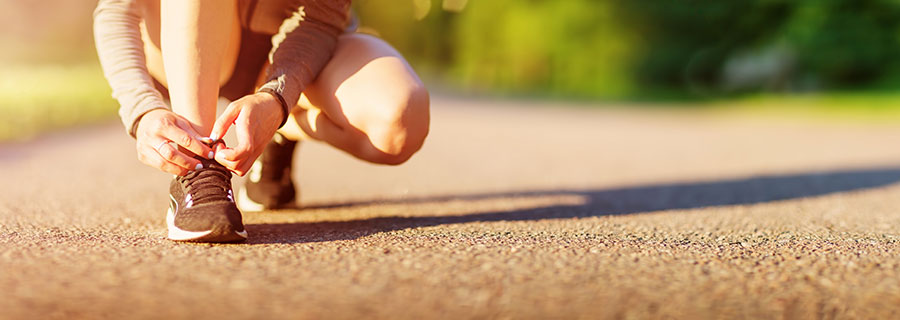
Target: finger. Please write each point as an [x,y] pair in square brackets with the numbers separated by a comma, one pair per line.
[181,137]
[244,167]
[236,163]
[233,165]
[233,159]
[220,157]
[224,121]
[172,155]
[153,159]
[231,154]
[172,168]
[244,143]
[204,141]
[244,153]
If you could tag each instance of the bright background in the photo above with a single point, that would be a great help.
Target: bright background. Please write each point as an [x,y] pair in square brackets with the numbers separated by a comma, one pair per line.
[815,57]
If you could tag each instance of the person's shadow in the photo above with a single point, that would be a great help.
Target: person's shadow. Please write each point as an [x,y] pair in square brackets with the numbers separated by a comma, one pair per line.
[601,202]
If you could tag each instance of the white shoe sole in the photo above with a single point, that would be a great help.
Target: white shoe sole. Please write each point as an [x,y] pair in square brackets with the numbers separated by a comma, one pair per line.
[177,234]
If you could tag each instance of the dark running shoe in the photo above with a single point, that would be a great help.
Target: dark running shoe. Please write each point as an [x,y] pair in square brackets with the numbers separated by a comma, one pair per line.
[202,206]
[268,185]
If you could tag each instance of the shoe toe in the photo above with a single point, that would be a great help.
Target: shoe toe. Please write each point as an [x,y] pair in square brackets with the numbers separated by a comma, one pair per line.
[209,223]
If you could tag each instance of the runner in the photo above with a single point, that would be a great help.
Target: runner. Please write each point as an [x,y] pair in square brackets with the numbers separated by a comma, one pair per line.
[295,70]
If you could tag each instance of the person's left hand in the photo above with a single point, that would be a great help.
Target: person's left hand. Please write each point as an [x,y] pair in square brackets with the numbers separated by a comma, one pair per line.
[256,118]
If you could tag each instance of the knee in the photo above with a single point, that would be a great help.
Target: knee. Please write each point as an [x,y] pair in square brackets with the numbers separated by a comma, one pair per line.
[399,126]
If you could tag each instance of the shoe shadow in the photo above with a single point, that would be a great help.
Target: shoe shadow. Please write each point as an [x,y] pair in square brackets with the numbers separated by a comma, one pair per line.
[601,202]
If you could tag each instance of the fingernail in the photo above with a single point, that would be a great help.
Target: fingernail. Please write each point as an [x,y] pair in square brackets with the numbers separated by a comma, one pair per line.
[214,136]
[199,166]
[210,155]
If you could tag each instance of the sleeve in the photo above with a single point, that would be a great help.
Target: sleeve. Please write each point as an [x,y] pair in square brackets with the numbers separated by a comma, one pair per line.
[303,45]
[117,37]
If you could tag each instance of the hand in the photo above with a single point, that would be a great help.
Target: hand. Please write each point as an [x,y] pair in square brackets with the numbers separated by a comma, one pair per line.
[256,117]
[159,134]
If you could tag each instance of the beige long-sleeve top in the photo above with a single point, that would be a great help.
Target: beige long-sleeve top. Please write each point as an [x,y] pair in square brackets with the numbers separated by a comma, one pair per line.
[303,36]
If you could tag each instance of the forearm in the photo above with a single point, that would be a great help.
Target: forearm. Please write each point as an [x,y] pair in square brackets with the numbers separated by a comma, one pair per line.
[194,35]
[302,47]
[117,37]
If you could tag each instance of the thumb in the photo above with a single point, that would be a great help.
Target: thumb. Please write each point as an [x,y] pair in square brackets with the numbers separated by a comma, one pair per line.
[225,120]
[244,140]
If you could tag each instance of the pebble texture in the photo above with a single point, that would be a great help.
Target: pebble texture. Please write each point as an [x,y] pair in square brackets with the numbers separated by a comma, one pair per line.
[518,210]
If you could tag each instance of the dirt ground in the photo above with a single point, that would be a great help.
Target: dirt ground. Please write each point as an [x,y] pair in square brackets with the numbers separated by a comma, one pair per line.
[524,210]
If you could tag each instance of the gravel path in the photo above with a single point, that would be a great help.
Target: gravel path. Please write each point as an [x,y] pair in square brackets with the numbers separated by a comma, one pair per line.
[512,210]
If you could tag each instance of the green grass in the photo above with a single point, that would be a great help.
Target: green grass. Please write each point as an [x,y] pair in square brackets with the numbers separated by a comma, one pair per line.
[857,107]
[37,99]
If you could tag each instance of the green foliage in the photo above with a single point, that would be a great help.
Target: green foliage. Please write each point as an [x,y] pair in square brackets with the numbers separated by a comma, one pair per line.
[687,42]
[573,47]
[844,43]
[605,48]
[503,45]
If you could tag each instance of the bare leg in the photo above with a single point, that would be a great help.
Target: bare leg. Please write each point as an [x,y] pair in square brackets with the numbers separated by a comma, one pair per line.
[367,101]
[194,36]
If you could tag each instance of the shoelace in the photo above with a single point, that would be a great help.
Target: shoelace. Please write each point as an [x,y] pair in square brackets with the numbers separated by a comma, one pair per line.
[209,184]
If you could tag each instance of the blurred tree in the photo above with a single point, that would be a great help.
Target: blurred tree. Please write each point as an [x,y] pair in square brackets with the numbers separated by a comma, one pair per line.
[605,48]
[845,43]
[688,42]
[573,47]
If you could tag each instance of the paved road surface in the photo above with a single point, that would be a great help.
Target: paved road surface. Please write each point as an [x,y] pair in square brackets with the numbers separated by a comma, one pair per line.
[512,210]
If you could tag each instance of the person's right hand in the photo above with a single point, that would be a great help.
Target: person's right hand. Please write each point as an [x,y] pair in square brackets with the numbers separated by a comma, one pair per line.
[159,134]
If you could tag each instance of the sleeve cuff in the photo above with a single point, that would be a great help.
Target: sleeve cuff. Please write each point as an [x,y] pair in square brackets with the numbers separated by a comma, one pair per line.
[132,115]
[285,107]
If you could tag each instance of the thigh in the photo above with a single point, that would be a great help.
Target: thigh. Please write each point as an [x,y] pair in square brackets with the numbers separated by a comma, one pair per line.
[362,84]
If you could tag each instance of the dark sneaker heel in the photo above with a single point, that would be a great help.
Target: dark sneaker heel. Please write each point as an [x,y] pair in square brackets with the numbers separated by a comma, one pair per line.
[269,184]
